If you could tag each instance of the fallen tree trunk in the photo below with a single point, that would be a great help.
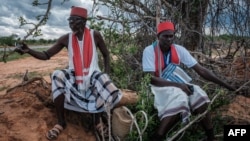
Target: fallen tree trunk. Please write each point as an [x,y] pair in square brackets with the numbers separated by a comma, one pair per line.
[128,97]
[42,89]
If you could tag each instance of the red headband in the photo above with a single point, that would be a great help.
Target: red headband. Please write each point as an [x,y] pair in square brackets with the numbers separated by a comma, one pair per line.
[78,11]
[165,26]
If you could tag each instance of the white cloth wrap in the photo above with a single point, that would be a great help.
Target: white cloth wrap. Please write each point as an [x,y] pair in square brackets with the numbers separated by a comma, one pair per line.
[170,101]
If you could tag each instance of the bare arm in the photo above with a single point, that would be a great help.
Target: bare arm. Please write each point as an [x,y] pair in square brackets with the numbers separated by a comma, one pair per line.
[105,53]
[45,55]
[210,76]
[160,82]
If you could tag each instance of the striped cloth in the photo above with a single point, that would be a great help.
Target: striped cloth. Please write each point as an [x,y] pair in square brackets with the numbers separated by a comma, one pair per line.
[175,74]
[162,60]
[100,93]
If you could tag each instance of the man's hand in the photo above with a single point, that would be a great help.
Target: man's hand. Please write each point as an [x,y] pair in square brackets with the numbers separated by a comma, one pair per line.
[188,89]
[21,48]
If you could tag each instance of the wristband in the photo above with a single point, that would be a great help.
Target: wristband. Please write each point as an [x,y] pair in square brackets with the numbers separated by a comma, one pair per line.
[47,55]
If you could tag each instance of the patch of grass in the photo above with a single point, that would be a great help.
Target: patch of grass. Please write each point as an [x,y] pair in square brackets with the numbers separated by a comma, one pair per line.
[34,74]
[15,76]
[19,76]
[15,55]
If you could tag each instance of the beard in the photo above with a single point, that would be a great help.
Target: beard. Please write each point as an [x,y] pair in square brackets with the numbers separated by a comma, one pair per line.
[77,27]
[77,31]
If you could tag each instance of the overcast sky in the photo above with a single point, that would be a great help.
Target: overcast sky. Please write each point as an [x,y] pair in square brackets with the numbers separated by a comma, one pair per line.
[57,25]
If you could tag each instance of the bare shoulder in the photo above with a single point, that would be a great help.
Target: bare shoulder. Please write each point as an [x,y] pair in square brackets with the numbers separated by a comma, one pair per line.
[97,36]
[63,40]
[96,32]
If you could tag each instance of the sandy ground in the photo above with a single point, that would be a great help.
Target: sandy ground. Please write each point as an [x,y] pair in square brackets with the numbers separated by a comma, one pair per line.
[23,117]
[13,71]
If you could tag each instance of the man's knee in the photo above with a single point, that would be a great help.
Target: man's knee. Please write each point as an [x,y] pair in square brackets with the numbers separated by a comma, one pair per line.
[201,109]
[57,73]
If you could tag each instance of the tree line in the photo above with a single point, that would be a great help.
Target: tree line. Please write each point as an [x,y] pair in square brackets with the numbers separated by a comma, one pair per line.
[12,39]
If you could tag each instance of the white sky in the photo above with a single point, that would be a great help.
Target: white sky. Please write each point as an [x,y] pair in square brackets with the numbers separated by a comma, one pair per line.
[57,25]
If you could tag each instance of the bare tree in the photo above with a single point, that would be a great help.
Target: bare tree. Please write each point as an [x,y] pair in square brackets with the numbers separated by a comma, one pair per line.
[193,18]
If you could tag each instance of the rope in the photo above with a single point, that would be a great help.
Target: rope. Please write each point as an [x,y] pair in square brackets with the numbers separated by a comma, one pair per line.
[134,122]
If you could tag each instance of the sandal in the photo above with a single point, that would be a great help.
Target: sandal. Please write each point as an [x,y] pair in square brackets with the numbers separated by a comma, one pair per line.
[53,133]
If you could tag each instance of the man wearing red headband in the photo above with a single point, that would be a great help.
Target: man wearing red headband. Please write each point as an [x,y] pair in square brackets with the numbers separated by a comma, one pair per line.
[82,87]
[175,98]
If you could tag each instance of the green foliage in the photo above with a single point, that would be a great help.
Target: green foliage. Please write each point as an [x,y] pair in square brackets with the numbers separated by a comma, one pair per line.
[35,3]
[42,20]
[37,32]
[226,37]
[221,100]
[12,56]
[22,21]
[145,103]
[8,40]
[122,50]
[97,25]
[118,70]
[15,55]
